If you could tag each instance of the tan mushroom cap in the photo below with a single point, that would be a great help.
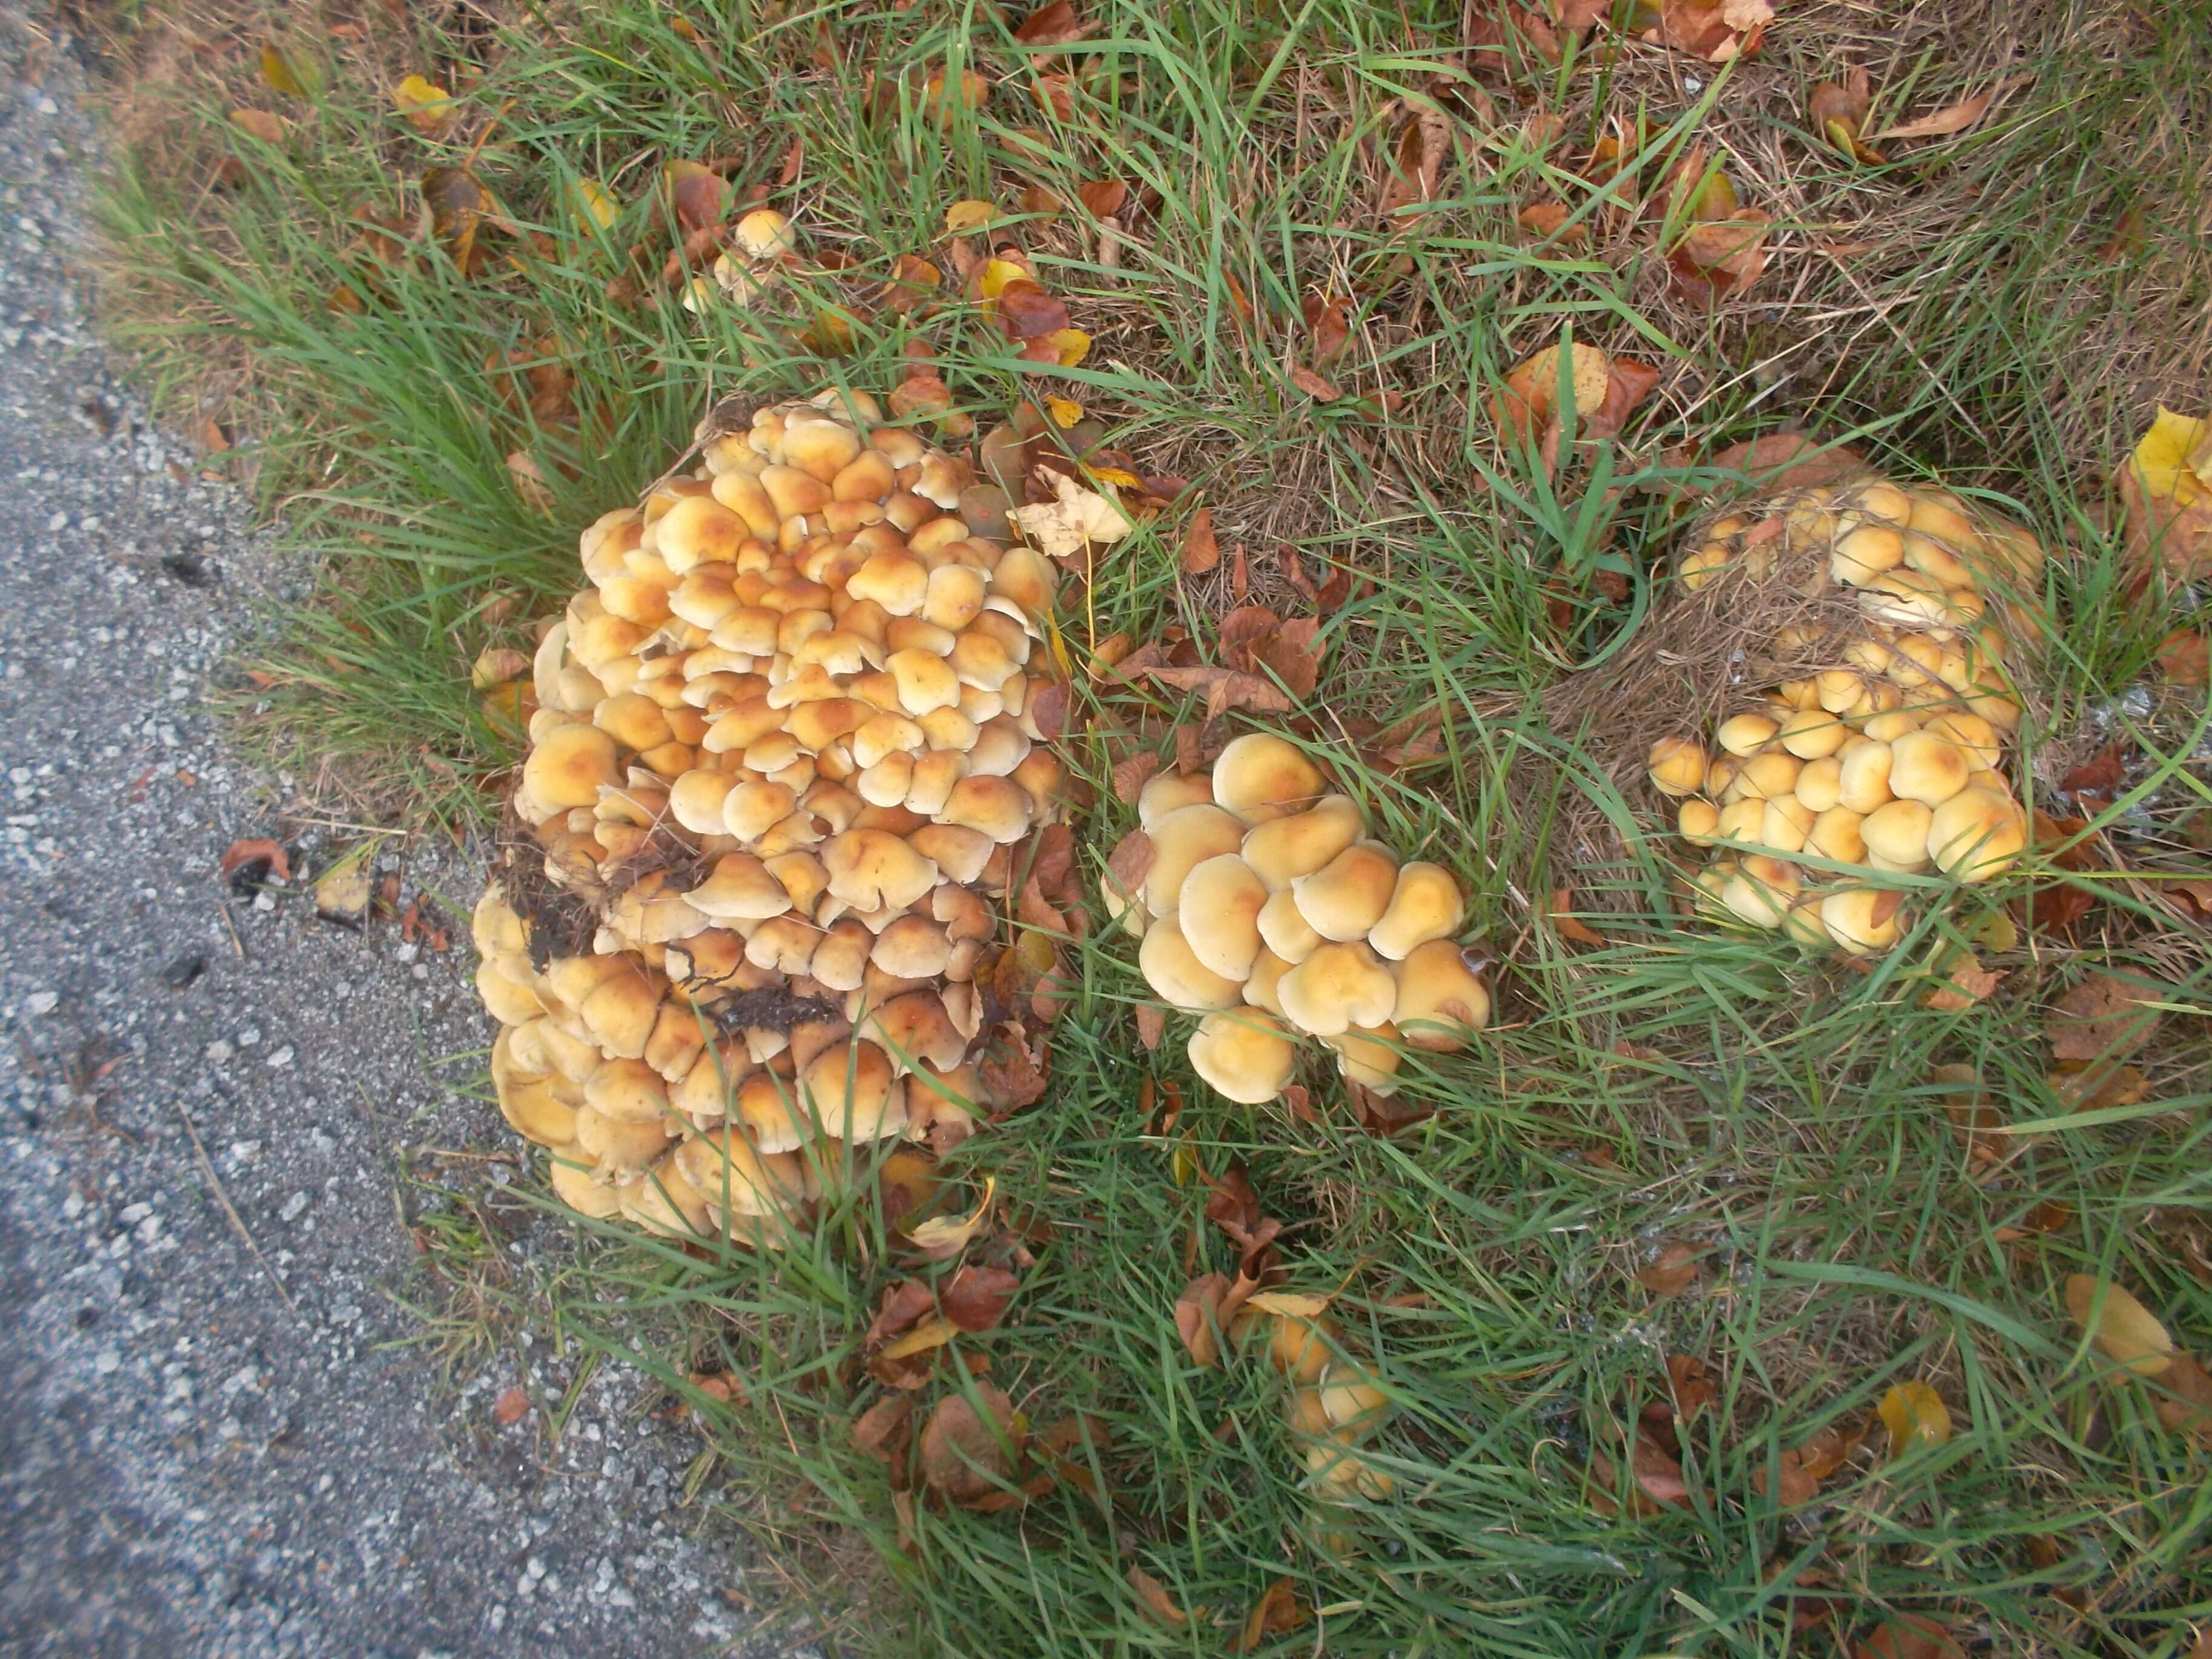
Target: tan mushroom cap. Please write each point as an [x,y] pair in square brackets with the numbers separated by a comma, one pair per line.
[1338,986]
[1745,735]
[736,1178]
[958,852]
[915,1028]
[1260,772]
[618,1149]
[509,1003]
[997,807]
[1284,930]
[770,1108]
[570,1169]
[629,1091]
[856,1093]
[1176,974]
[1182,840]
[1219,910]
[1299,843]
[660,1200]
[874,869]
[1677,766]
[1861,920]
[1169,791]
[1347,896]
[1267,971]
[1370,1055]
[1896,836]
[1439,997]
[570,765]
[1976,835]
[912,947]
[620,1013]
[741,888]
[529,1102]
[1425,905]
[1924,768]
[1245,1054]
[1863,784]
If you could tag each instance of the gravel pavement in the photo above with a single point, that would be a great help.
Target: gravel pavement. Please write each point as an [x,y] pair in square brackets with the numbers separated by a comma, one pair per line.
[194,1462]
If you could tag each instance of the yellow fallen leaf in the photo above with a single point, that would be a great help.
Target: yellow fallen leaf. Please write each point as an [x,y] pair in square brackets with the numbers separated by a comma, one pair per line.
[1291,1304]
[933,1331]
[965,218]
[1073,344]
[2122,1327]
[1062,528]
[1915,1415]
[1064,413]
[997,273]
[289,72]
[498,665]
[260,123]
[943,1236]
[2174,460]
[426,105]
[1119,477]
[591,202]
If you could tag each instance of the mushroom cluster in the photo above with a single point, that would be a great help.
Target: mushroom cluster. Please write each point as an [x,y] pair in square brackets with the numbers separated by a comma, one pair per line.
[782,749]
[1267,910]
[1886,756]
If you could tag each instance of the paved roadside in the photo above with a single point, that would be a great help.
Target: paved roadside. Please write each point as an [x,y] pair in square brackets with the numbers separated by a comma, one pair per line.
[194,1460]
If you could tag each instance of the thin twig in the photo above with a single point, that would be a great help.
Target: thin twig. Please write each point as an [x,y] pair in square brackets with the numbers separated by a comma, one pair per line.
[236,943]
[231,1210]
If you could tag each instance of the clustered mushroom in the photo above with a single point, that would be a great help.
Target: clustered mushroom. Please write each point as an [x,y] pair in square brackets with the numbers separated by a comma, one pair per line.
[1267,911]
[1334,1401]
[1889,760]
[783,746]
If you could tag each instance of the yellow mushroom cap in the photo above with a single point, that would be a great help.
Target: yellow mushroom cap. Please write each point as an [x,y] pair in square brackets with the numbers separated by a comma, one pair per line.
[1261,771]
[1976,835]
[627,1090]
[1347,896]
[770,1108]
[1924,768]
[618,1149]
[1425,905]
[1244,1054]
[1743,735]
[1698,822]
[527,1102]
[1169,791]
[739,890]
[1176,974]
[997,807]
[1284,930]
[1218,911]
[1339,986]
[1863,782]
[1766,776]
[1267,971]
[1896,836]
[1677,766]
[874,869]
[1836,834]
[1182,840]
[569,765]
[660,1200]
[1812,734]
[698,530]
[737,1179]
[508,1002]
[621,1013]
[569,1168]
[856,1093]
[1820,786]
[1370,1055]
[1299,843]
[1861,920]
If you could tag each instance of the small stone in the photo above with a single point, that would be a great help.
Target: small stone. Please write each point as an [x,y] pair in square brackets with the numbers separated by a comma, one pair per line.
[294,1206]
[219,1051]
[281,1056]
[109,1363]
[41,1002]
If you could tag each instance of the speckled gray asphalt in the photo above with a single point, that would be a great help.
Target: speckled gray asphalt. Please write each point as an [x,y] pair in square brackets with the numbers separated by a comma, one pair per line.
[188,1464]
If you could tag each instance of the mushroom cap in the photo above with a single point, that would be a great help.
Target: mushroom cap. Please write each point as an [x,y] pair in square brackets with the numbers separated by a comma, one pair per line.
[629,1091]
[1182,840]
[1339,986]
[1219,910]
[741,888]
[875,870]
[495,924]
[1244,1054]
[569,765]
[1863,783]
[1677,766]
[1347,896]
[1811,734]
[1261,771]
[1837,833]
[1267,971]
[570,1169]
[1370,1055]
[1168,792]
[660,1200]
[958,852]
[694,800]
[912,947]
[1897,834]
[1976,835]
[768,1107]
[1820,785]
[1177,977]
[1745,734]
[1926,768]
[698,530]
[618,1149]
[1425,905]
[620,1012]
[1284,930]
[527,1102]
[1766,775]
[1299,843]
[1698,822]
[509,1003]
[737,1178]
[856,1093]
[1438,998]
[997,807]
[915,1028]
[705,1091]
[1861,920]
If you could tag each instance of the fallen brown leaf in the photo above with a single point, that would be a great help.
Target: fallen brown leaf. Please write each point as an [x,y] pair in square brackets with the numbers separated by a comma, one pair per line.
[1549,219]
[1053,25]
[2166,487]
[1201,552]
[1829,1449]
[2182,1397]
[1156,1601]
[1199,1319]
[1326,325]
[2102,1018]
[1908,1636]
[1965,984]
[1957,118]
[1715,30]
[1672,1269]
[977,1297]
[1314,385]
[1560,913]
[1131,775]
[239,854]
[969,1453]
[1277,1613]
[1840,114]
[1417,161]
[2185,657]
[885,1432]
[510,1408]
[268,128]
[2125,1331]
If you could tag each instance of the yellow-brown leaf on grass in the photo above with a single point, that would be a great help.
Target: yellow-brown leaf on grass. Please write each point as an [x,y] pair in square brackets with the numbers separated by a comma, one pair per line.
[2096,1086]
[965,218]
[1065,411]
[1915,1415]
[1829,1449]
[969,1454]
[1796,1486]
[1200,1316]
[269,129]
[942,1237]
[2182,1396]
[530,482]
[1908,1636]
[2041,1219]
[1604,390]
[1569,926]
[2104,1017]
[1956,118]
[1318,387]
[1548,219]
[2167,486]
[1672,1269]
[2185,657]
[1277,1613]
[1201,551]
[1840,114]
[1965,982]
[497,666]
[1416,164]
[1718,257]
[591,205]
[2125,1331]
[1153,1597]
[458,203]
[1065,527]
[290,70]
[1715,30]
[426,106]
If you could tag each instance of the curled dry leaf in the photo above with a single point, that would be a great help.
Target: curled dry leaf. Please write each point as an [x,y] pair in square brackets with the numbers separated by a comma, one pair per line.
[1548,219]
[1672,1270]
[1568,925]
[1277,1613]
[1829,1449]
[240,853]
[1055,24]
[1840,114]
[458,206]
[1715,30]
[2125,1331]
[2102,1018]
[1319,387]
[510,1408]
[1915,1415]
[1692,1390]
[1796,1486]
[1201,551]
[1965,983]
[427,106]
[2184,658]
[1416,163]
[1957,118]
[885,1432]
[1065,527]
[969,1452]
[2166,487]
[977,1297]
[2182,1396]
[1328,328]
[290,70]
[943,1237]
[1908,1636]
[269,129]
[1156,1601]
[530,482]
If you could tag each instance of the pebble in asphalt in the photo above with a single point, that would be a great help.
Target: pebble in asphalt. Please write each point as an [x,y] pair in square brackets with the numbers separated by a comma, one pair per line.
[189,1465]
